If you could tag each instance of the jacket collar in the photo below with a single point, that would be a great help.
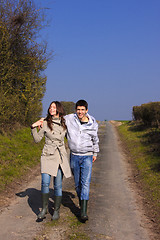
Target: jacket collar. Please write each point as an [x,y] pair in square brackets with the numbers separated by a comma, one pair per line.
[90,121]
[56,120]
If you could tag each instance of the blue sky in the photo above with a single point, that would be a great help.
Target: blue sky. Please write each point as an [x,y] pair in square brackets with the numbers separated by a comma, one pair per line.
[106,52]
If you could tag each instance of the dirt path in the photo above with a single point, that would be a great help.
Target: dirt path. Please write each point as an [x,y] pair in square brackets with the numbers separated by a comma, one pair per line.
[113,200]
[115,210]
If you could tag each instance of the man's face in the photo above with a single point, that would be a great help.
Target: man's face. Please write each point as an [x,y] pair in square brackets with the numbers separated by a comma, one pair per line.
[81,112]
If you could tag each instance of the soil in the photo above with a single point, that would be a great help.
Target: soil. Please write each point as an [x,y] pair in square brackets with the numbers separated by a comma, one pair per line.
[8,195]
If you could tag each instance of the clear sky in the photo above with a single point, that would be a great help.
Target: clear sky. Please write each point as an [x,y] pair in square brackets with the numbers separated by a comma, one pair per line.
[106,52]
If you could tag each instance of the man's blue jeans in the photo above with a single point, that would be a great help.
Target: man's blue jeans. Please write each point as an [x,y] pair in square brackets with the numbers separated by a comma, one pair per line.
[46,178]
[81,167]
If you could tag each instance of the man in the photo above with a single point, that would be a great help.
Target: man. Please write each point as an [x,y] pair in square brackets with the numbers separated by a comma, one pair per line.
[83,142]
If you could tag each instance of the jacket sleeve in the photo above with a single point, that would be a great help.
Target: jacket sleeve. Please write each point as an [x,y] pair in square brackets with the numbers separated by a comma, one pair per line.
[37,136]
[95,140]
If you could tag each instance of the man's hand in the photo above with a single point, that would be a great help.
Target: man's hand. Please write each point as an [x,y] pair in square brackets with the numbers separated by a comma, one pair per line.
[94,158]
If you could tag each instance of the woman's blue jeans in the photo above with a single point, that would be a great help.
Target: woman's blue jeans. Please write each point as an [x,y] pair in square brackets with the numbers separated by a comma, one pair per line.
[81,167]
[57,181]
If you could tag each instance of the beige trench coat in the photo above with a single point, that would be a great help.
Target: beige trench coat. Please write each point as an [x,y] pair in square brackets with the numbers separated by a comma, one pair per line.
[54,151]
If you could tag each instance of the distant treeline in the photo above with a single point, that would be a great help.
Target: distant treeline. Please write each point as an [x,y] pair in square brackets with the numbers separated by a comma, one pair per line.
[148,113]
[69,107]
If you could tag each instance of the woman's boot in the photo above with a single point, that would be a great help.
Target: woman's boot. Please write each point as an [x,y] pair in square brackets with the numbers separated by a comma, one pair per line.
[84,216]
[57,204]
[45,198]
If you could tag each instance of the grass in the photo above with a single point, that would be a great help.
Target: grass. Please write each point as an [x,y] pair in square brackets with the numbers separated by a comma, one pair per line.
[67,225]
[80,236]
[76,231]
[143,145]
[18,153]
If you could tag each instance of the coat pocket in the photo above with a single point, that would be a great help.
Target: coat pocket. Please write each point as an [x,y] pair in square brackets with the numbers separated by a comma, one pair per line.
[48,150]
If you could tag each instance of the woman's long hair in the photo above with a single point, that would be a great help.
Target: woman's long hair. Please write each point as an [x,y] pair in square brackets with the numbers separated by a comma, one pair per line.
[60,111]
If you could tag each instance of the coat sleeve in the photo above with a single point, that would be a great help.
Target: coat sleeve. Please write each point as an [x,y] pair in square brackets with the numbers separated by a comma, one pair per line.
[95,140]
[37,136]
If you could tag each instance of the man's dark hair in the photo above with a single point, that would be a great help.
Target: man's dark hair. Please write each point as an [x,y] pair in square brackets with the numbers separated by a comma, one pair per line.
[82,103]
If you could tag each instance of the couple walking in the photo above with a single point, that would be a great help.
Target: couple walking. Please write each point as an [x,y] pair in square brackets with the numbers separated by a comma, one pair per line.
[81,131]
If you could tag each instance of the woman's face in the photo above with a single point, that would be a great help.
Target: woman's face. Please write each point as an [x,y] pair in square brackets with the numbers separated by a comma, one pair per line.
[53,109]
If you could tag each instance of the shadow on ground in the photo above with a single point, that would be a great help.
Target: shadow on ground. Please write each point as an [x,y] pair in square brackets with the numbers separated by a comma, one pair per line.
[35,201]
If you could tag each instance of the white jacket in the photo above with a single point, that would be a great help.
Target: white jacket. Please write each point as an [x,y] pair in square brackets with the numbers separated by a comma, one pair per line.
[82,138]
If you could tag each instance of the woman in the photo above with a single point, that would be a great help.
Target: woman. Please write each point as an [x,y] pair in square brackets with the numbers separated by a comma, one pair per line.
[54,160]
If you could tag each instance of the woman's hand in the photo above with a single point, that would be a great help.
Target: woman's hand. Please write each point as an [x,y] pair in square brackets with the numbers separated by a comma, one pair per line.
[38,124]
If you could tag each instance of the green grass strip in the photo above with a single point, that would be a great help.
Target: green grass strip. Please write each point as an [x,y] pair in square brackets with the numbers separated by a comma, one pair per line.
[18,153]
